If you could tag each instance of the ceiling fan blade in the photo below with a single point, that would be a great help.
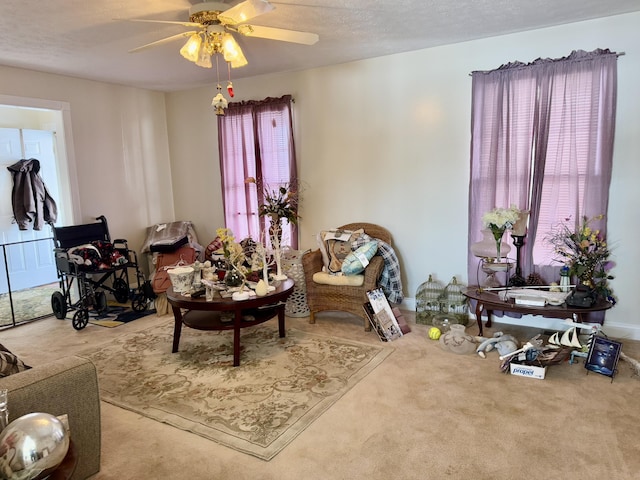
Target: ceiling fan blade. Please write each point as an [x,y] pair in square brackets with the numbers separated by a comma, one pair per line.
[283,35]
[244,11]
[162,41]
[184,24]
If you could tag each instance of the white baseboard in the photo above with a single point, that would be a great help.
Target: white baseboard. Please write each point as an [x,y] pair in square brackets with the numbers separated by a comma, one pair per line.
[618,331]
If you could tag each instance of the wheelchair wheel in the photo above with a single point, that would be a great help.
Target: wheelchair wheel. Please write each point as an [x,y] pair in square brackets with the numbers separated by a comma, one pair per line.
[101,303]
[58,305]
[121,290]
[80,319]
[139,303]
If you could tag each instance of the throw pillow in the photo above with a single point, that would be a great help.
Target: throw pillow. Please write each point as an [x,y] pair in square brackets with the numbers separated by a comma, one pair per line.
[9,363]
[335,245]
[357,261]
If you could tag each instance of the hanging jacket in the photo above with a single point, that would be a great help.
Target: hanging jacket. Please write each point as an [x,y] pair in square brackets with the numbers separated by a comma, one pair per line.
[30,199]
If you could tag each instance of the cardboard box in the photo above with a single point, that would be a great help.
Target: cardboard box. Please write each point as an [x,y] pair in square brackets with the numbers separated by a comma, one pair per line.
[531,371]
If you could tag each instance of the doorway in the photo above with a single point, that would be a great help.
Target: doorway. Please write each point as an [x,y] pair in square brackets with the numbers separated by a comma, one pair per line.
[33,128]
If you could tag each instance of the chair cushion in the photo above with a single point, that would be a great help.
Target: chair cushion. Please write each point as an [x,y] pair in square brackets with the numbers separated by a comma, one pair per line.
[325,278]
[357,261]
[335,245]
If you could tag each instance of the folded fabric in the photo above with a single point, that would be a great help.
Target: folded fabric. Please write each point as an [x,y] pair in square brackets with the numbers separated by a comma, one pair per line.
[325,278]
[358,260]
[390,280]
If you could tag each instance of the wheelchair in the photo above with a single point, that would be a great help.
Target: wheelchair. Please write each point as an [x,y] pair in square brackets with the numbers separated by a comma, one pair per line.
[89,264]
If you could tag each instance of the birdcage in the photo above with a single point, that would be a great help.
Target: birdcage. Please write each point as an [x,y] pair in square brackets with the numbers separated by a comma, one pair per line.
[454,303]
[428,298]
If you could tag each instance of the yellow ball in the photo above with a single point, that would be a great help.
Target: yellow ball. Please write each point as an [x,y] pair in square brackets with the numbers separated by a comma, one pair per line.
[434,333]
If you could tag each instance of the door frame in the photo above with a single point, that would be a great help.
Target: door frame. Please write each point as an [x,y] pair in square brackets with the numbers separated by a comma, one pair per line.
[67,172]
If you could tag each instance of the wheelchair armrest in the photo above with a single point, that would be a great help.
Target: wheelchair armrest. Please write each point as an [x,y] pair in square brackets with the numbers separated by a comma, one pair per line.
[121,245]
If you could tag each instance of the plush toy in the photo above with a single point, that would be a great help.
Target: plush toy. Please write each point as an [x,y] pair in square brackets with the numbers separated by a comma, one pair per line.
[504,344]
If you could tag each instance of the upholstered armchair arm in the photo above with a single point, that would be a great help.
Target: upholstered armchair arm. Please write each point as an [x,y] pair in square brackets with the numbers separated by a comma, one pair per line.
[65,386]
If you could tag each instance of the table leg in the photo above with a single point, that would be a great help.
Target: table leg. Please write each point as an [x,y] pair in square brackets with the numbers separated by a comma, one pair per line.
[236,338]
[177,329]
[281,329]
[479,317]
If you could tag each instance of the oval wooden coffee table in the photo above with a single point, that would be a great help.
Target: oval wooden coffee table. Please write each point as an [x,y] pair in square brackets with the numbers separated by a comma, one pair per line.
[208,315]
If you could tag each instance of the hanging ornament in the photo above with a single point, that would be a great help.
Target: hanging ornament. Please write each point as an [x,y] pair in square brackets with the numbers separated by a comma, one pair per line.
[229,84]
[219,102]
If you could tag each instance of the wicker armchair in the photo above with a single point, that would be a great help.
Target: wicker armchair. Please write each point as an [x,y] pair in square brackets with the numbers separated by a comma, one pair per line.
[343,298]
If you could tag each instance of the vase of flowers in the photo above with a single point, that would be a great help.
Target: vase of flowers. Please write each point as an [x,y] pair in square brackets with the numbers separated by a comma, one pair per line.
[234,258]
[279,204]
[586,253]
[498,221]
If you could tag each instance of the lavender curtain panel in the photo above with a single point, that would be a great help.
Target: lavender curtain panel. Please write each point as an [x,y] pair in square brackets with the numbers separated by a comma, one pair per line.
[255,139]
[542,138]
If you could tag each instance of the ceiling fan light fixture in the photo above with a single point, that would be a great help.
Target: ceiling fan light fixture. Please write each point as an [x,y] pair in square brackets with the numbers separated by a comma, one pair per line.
[232,52]
[191,49]
[204,59]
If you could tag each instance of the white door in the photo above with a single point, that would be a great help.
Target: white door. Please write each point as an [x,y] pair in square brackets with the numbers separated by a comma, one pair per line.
[30,263]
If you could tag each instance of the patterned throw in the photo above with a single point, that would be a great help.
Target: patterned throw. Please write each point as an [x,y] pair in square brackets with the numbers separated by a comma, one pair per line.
[280,387]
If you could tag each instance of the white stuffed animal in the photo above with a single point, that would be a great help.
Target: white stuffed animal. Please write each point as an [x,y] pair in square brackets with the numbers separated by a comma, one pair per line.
[504,344]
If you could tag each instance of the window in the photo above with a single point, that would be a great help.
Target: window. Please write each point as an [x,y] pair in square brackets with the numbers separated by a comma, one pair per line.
[542,140]
[256,140]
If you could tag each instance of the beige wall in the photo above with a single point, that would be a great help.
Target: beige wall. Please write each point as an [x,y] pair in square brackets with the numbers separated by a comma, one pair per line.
[117,142]
[383,140]
[387,140]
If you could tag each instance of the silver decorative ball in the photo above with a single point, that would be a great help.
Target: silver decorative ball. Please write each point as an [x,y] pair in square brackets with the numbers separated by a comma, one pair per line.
[32,446]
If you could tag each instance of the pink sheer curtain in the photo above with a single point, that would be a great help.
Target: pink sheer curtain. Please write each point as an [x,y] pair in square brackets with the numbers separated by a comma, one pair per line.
[255,139]
[542,139]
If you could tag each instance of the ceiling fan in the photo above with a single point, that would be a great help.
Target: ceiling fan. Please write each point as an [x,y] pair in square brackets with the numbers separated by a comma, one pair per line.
[213,24]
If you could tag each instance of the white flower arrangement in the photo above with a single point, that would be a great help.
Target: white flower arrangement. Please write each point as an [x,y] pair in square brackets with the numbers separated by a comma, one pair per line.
[501,218]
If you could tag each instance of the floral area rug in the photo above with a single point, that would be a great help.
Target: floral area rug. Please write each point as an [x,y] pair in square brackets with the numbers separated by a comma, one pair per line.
[281,386]
[29,304]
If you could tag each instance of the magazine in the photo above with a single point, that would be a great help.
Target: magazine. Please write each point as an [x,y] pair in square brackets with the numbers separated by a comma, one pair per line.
[384,321]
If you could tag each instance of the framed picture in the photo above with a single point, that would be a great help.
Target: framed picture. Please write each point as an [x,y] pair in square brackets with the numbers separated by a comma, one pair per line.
[603,356]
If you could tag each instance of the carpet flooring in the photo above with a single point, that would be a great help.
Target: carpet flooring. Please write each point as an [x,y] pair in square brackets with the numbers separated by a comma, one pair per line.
[281,386]
[422,414]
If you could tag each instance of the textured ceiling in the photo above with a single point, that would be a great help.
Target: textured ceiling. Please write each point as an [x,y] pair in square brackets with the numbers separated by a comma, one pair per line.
[90,39]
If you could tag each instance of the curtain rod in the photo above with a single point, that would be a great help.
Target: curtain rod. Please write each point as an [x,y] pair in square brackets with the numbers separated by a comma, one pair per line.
[617,54]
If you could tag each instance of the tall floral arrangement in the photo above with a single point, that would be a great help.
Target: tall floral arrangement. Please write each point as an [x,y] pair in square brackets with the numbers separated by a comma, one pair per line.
[279,202]
[586,252]
[498,220]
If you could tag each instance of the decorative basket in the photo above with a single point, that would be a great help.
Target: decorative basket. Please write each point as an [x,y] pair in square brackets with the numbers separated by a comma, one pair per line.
[296,305]
[428,298]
